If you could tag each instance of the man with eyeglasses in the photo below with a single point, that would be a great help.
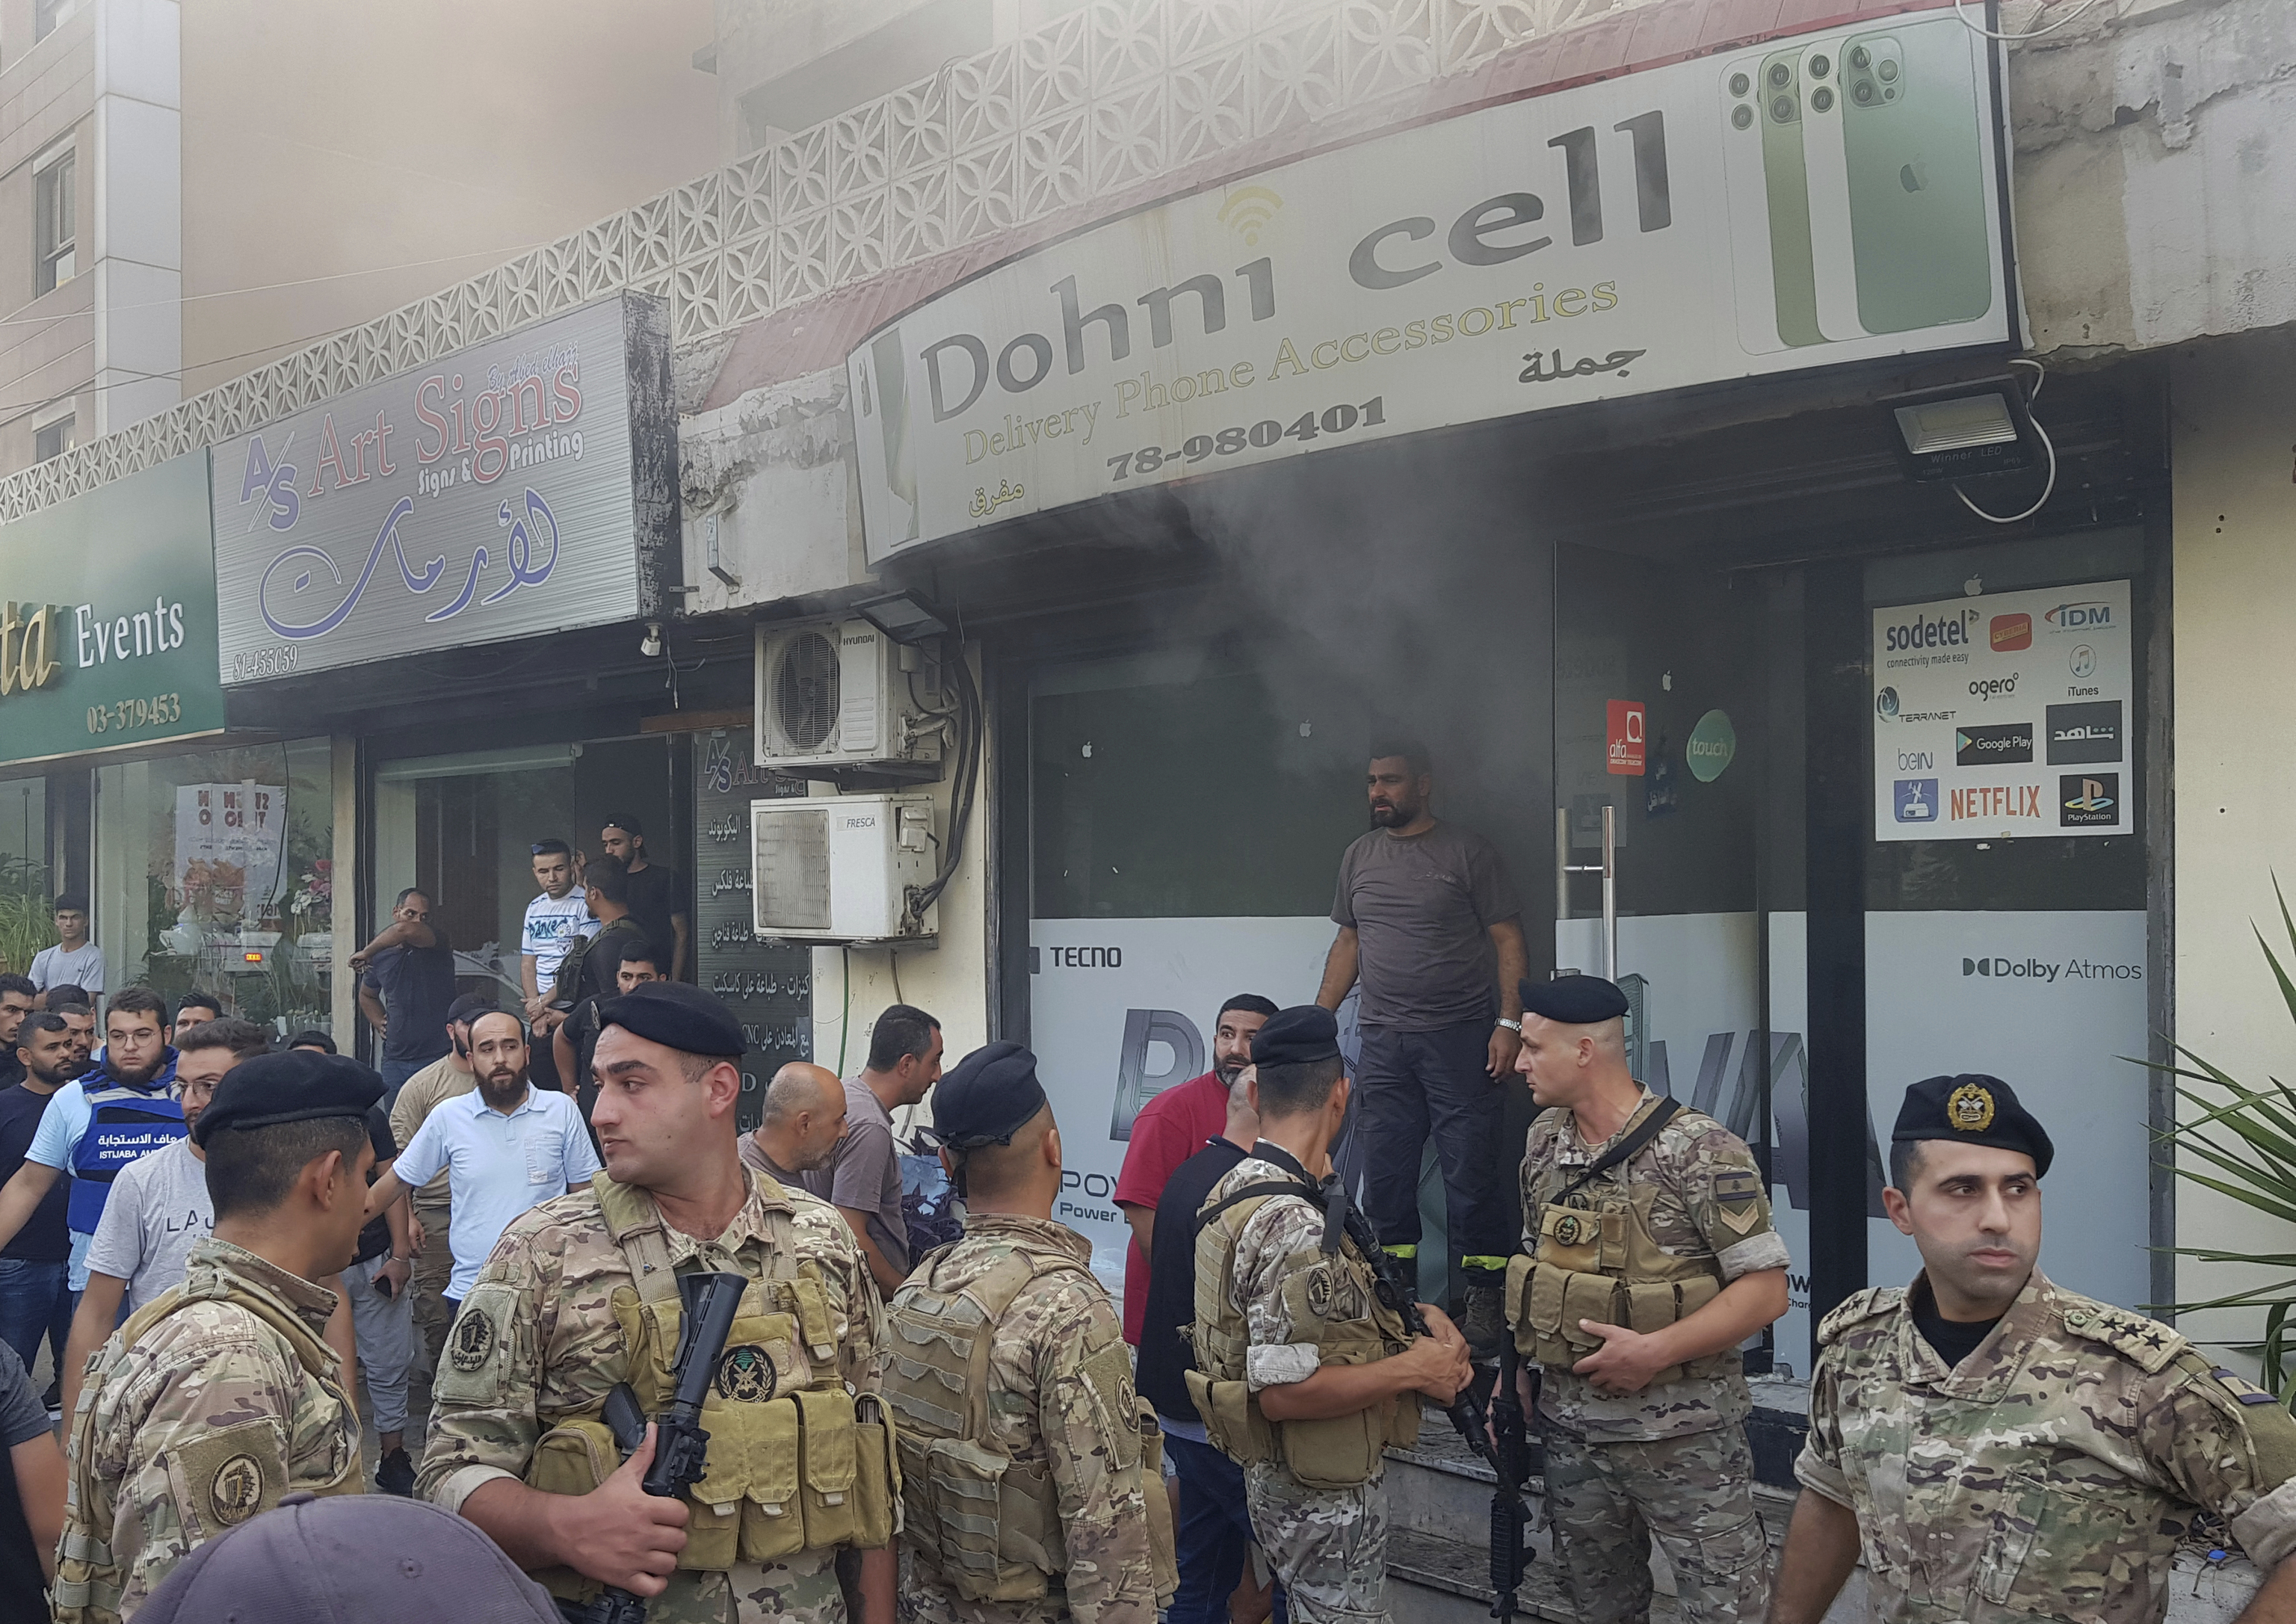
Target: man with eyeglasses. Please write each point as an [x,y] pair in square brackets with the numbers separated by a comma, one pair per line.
[407,982]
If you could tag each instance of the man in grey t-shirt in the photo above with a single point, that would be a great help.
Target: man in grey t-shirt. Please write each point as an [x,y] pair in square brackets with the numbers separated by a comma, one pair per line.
[1430,926]
[863,1182]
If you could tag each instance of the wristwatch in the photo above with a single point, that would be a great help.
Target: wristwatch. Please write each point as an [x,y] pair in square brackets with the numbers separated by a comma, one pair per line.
[1513,1026]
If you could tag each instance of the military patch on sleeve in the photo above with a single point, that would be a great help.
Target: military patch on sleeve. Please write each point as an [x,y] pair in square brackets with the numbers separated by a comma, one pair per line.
[478,1346]
[1108,1375]
[2232,1382]
[221,1479]
[1737,1186]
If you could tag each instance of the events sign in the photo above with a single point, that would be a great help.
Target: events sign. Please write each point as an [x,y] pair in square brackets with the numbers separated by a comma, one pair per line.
[2004,714]
[1831,196]
[525,486]
[107,619]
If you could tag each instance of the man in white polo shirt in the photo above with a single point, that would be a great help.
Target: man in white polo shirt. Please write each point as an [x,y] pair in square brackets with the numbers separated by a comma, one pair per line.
[504,1147]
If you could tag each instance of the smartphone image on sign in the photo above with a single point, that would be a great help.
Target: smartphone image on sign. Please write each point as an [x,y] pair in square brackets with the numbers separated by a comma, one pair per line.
[1915,171]
[1766,177]
[1833,257]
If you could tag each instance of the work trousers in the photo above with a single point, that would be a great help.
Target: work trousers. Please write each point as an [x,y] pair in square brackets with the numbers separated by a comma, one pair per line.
[1213,1539]
[434,1267]
[1695,1494]
[1408,1086]
[384,1327]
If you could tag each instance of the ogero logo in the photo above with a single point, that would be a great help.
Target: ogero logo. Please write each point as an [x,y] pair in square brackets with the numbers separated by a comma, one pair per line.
[1990,687]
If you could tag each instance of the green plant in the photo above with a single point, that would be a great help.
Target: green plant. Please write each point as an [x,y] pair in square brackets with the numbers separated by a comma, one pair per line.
[27,920]
[2250,1137]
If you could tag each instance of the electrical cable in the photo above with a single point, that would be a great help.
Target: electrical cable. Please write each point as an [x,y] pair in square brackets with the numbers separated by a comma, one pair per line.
[2040,376]
[2013,38]
[845,1016]
[970,730]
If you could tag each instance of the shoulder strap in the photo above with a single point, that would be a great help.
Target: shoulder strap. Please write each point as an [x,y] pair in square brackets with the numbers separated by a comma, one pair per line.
[1255,1192]
[635,1224]
[1625,1149]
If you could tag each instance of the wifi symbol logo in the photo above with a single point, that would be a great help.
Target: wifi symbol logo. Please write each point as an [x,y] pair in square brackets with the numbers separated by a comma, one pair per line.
[1247,210]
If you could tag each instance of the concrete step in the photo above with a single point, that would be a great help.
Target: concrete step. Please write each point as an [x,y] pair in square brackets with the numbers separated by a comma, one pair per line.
[1431,1580]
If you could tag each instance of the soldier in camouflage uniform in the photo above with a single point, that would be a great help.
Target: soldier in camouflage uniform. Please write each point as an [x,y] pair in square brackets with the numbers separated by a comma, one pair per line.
[1303,1375]
[1014,1389]
[220,1397]
[1648,1257]
[581,1294]
[2006,1449]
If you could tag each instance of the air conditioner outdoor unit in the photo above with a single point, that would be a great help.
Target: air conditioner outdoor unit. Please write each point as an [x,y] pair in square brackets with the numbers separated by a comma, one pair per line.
[838,868]
[834,694]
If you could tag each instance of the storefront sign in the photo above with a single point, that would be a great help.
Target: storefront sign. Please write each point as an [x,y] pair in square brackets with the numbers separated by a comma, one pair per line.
[769,986]
[107,619]
[2004,714]
[1825,198]
[1628,733]
[526,486]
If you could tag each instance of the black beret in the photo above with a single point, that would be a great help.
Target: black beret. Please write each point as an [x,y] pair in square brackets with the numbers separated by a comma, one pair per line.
[986,1097]
[1573,1000]
[679,1015]
[300,1086]
[1972,1109]
[1297,1036]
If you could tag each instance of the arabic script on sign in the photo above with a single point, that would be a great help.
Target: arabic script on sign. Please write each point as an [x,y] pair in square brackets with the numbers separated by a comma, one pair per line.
[295,571]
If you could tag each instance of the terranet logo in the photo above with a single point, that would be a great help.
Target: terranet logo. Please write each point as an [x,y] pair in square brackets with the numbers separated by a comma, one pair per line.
[2003,745]
[2079,617]
[2030,969]
[2087,801]
[2084,733]
[2012,632]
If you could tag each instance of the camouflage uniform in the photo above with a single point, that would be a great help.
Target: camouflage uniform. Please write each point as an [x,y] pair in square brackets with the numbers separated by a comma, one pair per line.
[202,1410]
[1059,1400]
[552,1348]
[1671,1460]
[2051,1472]
[1328,1545]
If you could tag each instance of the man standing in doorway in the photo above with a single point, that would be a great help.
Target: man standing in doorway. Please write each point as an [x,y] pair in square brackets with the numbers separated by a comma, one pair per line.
[407,980]
[864,1182]
[552,921]
[1430,926]
[443,1079]
[74,960]
[17,998]
[657,895]
[1173,1127]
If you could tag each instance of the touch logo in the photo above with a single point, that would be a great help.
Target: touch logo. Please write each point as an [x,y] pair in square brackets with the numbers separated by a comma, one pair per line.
[2012,632]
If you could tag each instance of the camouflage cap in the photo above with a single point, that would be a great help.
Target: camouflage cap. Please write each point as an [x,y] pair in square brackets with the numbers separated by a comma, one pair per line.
[1972,1109]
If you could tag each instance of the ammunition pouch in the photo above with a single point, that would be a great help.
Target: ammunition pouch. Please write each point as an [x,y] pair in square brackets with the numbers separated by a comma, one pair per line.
[1599,1265]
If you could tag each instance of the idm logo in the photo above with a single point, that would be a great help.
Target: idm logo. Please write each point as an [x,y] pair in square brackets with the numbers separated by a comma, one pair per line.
[2079,617]
[1885,703]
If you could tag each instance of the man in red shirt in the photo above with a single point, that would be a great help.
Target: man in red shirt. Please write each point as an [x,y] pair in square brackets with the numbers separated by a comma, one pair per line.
[1173,1127]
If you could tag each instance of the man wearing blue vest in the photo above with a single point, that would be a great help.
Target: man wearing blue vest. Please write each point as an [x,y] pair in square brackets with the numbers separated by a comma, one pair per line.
[117,1113]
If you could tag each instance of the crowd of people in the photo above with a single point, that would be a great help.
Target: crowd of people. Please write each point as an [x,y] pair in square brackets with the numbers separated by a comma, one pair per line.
[231,1249]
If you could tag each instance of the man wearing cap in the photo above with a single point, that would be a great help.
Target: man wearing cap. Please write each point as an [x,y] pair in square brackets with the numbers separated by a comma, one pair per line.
[581,1294]
[432,1212]
[1647,1257]
[215,1400]
[1304,1368]
[1009,1369]
[2000,1447]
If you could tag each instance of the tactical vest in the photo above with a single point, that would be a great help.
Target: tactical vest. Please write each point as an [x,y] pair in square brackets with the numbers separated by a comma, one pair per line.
[794,1465]
[1333,1301]
[992,1524]
[89,1577]
[124,1125]
[1595,1259]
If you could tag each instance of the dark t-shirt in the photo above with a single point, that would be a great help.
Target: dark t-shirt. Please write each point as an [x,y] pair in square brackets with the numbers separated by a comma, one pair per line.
[11,1070]
[417,985]
[598,975]
[1165,1360]
[1955,1340]
[1422,909]
[374,1240]
[23,1597]
[43,1239]
[656,893]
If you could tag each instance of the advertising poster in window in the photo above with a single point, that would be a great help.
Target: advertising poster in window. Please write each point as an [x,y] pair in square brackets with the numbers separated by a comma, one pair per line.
[769,986]
[2004,714]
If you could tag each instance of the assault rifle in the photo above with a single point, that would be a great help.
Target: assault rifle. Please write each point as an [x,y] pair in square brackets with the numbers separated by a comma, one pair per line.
[1462,1412]
[708,1303]
[1510,1460]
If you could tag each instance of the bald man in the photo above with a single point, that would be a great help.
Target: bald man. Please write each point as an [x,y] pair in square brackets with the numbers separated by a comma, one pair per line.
[804,1118]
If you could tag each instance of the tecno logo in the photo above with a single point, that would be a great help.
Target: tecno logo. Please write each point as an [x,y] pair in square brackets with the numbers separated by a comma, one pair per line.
[1990,687]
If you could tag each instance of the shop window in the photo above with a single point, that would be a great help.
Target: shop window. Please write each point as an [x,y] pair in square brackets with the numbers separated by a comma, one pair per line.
[54,438]
[26,892]
[214,871]
[55,207]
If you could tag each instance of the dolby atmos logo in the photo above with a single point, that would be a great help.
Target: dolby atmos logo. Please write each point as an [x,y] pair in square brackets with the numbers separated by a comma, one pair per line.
[2003,968]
